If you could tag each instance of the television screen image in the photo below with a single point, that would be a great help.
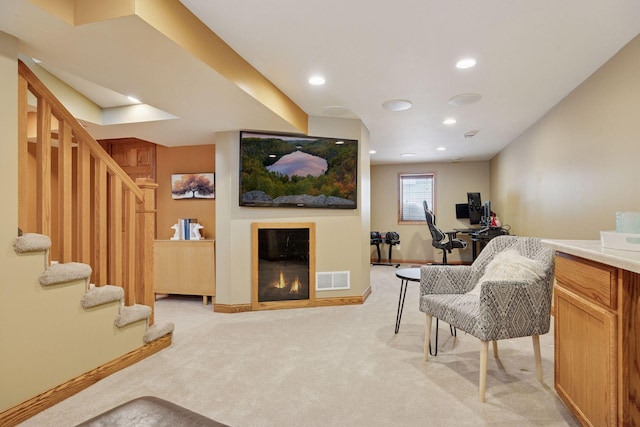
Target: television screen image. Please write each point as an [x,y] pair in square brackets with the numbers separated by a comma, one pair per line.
[287,170]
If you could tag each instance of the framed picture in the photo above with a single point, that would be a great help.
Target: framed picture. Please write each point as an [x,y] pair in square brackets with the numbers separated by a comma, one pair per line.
[193,186]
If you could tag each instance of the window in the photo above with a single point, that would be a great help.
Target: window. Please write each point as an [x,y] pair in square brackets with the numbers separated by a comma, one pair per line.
[414,189]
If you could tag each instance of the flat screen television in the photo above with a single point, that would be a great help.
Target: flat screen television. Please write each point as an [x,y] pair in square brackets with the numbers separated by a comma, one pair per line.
[475,208]
[288,170]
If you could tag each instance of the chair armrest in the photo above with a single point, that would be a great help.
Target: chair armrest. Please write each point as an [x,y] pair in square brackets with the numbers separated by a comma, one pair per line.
[452,234]
[512,309]
[444,279]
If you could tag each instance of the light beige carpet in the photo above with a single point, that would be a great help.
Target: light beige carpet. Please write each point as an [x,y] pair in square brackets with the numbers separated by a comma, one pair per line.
[331,366]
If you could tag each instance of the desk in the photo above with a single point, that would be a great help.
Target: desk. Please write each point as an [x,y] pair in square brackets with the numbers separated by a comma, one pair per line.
[479,239]
[407,275]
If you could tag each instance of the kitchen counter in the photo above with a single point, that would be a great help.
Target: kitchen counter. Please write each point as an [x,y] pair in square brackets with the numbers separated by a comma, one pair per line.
[592,250]
[597,332]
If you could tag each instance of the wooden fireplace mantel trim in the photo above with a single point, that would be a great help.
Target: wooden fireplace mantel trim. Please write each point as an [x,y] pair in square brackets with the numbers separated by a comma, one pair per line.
[311,302]
[320,302]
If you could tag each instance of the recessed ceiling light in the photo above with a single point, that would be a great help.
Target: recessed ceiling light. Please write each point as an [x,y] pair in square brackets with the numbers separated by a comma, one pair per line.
[408,154]
[449,122]
[465,98]
[466,63]
[317,80]
[440,148]
[372,151]
[397,105]
[133,99]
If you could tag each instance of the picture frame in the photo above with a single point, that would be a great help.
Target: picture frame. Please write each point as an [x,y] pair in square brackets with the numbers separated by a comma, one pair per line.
[192,186]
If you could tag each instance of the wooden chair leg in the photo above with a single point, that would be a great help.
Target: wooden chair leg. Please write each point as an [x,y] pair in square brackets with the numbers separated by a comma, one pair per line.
[484,352]
[495,348]
[427,336]
[536,353]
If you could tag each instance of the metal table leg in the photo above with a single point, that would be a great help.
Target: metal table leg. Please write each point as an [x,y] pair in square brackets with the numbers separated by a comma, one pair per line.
[454,333]
[403,293]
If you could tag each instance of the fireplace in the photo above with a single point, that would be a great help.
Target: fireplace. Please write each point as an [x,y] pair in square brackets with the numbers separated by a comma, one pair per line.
[283,265]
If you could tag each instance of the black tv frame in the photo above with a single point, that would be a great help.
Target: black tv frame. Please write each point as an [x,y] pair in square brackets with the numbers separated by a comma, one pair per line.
[341,185]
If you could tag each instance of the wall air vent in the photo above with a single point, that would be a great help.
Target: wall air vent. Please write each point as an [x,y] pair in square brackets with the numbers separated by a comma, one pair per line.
[330,280]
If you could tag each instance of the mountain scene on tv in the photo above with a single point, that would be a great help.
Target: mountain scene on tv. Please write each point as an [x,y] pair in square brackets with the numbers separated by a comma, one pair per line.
[298,171]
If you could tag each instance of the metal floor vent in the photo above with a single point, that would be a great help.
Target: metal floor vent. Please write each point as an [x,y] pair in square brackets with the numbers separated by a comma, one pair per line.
[330,280]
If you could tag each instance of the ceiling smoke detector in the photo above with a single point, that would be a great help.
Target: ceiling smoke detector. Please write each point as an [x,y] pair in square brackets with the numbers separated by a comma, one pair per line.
[471,134]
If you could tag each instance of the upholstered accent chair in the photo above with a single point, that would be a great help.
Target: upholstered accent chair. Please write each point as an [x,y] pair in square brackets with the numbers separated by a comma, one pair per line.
[445,240]
[505,293]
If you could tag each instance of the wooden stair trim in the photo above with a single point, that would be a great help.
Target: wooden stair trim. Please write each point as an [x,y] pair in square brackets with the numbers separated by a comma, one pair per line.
[47,399]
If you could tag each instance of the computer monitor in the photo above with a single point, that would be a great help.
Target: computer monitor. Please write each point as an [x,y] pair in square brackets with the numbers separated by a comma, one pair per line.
[486,213]
[475,208]
[462,210]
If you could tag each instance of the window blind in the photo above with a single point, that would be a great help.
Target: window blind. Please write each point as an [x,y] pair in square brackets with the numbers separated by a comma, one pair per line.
[414,189]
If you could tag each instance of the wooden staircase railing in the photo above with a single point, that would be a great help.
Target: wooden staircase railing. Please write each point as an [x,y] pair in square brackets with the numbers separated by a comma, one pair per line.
[77,194]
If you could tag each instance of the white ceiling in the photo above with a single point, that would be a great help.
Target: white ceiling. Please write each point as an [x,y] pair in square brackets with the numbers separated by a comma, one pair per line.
[530,55]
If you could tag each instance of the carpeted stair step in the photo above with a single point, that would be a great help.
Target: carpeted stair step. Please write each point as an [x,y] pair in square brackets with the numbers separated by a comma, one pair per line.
[102,295]
[132,313]
[158,331]
[31,242]
[67,272]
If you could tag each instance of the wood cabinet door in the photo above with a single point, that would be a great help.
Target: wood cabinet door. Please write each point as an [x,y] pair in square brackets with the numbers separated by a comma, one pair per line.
[585,358]
[185,267]
[135,156]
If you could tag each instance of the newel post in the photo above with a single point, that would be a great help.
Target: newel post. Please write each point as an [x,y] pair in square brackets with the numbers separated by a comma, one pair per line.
[146,231]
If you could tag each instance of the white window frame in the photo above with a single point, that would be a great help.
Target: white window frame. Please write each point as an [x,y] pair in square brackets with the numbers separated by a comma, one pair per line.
[410,197]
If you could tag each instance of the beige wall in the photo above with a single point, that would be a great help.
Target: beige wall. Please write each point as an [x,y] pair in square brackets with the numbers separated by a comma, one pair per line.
[46,338]
[189,159]
[341,235]
[453,180]
[568,174]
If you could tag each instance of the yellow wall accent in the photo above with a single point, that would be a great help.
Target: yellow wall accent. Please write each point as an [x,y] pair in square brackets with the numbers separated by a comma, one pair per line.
[176,22]
[63,9]
[88,11]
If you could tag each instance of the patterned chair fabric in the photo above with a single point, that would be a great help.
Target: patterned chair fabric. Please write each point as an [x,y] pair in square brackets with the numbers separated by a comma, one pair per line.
[505,309]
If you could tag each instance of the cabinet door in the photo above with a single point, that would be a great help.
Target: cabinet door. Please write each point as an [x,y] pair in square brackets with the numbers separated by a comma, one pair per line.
[185,267]
[585,358]
[135,156]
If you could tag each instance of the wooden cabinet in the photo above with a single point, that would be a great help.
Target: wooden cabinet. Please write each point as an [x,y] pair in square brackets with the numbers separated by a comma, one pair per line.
[597,337]
[185,267]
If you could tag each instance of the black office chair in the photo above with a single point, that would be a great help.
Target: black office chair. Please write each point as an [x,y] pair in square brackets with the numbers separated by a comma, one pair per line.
[446,241]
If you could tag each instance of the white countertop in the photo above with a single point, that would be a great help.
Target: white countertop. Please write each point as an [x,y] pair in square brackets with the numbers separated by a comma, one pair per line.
[592,250]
